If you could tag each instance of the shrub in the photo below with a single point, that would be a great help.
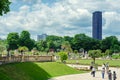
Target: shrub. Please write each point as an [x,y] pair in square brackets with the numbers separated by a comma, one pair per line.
[63,56]
[75,51]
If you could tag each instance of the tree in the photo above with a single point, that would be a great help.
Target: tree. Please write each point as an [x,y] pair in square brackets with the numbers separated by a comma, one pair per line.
[95,44]
[108,52]
[13,40]
[66,46]
[53,38]
[2,48]
[51,45]
[68,38]
[41,45]
[3,44]
[94,54]
[23,49]
[34,51]
[56,41]
[115,48]
[4,6]
[75,51]
[82,41]
[63,56]
[25,40]
[108,43]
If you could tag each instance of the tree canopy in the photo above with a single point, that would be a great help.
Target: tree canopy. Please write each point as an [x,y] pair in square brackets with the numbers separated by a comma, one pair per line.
[94,54]
[13,40]
[25,40]
[66,43]
[4,6]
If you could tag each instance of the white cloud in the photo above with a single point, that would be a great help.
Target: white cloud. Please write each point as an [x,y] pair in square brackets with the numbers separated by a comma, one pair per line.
[64,17]
[24,8]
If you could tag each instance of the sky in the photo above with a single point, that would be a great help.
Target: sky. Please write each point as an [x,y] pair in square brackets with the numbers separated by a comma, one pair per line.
[60,17]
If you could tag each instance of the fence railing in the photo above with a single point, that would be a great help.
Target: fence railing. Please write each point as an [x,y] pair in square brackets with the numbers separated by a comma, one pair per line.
[25,58]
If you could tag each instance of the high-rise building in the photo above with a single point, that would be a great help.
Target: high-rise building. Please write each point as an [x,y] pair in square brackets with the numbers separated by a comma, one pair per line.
[41,37]
[97,25]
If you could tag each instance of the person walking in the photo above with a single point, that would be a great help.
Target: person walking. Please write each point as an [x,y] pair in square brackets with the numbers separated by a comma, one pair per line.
[114,75]
[107,67]
[103,73]
[109,75]
[93,71]
[91,67]
[103,66]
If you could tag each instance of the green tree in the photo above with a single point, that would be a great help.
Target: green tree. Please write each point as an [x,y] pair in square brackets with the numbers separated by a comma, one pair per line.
[94,54]
[66,47]
[115,48]
[82,41]
[13,40]
[23,49]
[35,51]
[53,38]
[75,51]
[94,44]
[51,45]
[108,52]
[2,48]
[4,6]
[56,41]
[3,44]
[25,40]
[41,45]
[108,43]
[68,38]
[63,56]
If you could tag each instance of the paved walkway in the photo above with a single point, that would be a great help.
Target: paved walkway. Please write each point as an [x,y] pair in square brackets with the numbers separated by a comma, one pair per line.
[87,76]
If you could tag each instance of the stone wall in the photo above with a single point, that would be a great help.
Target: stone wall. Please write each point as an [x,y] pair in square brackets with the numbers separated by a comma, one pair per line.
[25,58]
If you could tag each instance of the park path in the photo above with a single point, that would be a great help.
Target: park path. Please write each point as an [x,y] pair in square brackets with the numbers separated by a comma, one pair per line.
[87,76]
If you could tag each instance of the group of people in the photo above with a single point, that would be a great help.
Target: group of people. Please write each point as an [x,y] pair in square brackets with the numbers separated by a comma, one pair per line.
[105,69]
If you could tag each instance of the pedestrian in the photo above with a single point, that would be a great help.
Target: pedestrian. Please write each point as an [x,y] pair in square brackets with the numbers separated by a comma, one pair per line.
[114,75]
[91,67]
[103,66]
[109,75]
[103,73]
[93,71]
[107,67]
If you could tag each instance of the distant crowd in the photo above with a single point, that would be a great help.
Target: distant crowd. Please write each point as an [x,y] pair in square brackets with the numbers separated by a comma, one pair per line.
[105,69]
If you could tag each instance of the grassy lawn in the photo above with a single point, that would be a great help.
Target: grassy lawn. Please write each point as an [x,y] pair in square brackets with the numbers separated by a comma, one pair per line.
[34,71]
[113,63]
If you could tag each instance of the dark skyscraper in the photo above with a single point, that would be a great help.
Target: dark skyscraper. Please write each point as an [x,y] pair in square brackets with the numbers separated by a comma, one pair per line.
[97,25]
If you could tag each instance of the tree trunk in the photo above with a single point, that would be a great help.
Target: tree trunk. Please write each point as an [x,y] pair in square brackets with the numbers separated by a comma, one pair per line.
[94,60]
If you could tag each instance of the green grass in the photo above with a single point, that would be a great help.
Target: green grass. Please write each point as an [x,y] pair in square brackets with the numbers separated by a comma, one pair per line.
[34,71]
[112,63]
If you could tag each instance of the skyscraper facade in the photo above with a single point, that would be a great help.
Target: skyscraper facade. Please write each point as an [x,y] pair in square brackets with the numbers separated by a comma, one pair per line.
[97,25]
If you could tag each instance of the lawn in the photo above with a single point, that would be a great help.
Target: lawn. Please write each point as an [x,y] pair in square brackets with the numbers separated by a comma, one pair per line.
[113,63]
[34,71]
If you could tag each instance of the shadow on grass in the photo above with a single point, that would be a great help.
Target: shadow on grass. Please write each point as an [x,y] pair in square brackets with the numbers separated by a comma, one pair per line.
[23,71]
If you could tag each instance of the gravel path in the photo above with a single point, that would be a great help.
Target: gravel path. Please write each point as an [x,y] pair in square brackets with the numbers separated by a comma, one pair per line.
[87,76]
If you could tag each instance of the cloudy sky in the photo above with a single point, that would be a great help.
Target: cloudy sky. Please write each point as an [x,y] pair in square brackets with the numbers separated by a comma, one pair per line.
[60,17]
